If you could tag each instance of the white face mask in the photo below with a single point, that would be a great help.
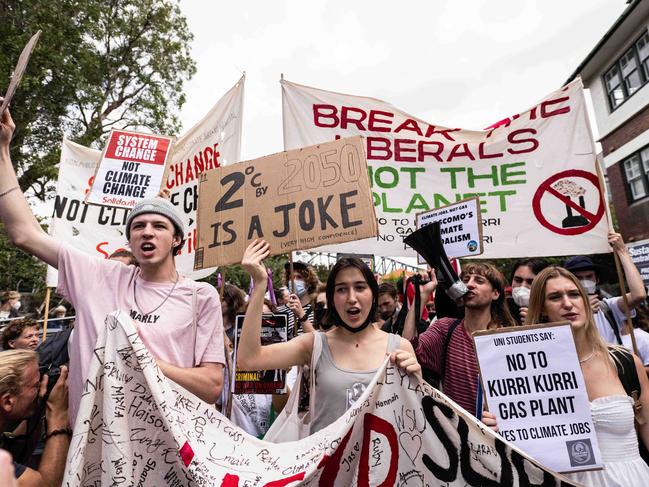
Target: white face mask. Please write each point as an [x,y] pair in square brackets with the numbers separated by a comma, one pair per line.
[589,286]
[521,296]
[16,305]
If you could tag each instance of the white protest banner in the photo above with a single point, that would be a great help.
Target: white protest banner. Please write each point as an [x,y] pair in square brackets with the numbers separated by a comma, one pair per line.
[212,142]
[534,385]
[130,169]
[136,426]
[92,229]
[296,200]
[460,227]
[534,173]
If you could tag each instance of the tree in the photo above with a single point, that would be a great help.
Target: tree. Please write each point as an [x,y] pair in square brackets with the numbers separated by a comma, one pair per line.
[98,65]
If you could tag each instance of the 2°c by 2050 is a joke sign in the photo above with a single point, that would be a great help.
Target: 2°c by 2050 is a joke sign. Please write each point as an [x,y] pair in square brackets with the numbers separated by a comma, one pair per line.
[297,199]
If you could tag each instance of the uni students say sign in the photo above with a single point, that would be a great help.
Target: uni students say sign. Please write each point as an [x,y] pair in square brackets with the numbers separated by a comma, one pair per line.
[297,199]
[534,385]
[534,173]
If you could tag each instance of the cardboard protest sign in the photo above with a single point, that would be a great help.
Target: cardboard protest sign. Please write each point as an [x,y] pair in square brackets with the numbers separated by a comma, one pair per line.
[296,199]
[533,384]
[19,71]
[136,426]
[99,230]
[130,169]
[640,255]
[274,329]
[460,226]
[534,172]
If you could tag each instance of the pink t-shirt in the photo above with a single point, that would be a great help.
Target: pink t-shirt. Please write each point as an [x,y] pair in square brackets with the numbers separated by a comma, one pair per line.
[97,287]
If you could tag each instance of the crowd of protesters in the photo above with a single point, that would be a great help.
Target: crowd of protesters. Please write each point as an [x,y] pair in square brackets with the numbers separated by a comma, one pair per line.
[342,329]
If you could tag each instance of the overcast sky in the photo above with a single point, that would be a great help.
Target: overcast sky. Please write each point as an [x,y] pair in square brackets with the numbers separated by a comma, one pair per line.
[453,63]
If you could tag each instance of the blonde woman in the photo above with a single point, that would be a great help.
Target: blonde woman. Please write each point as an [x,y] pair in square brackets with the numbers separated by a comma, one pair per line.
[557,295]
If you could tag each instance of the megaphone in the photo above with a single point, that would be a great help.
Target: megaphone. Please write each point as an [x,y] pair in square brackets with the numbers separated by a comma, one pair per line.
[427,242]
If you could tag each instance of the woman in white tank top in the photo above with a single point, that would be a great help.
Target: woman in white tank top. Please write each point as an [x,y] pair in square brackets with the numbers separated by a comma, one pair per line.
[354,348]
[557,295]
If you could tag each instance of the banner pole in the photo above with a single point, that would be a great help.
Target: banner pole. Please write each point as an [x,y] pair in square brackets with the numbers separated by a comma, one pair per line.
[618,264]
[47,312]
[292,279]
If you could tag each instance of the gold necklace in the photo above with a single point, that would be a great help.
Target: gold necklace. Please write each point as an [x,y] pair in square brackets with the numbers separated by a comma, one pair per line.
[587,357]
[163,301]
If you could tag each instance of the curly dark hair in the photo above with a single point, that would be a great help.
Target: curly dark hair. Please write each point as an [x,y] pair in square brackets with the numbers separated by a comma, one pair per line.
[14,329]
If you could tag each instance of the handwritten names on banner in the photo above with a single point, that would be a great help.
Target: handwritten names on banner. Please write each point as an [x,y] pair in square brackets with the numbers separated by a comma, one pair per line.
[295,200]
[534,385]
[135,425]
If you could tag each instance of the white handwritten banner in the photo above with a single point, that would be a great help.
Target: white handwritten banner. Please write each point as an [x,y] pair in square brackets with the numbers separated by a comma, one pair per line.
[214,141]
[534,173]
[533,383]
[135,425]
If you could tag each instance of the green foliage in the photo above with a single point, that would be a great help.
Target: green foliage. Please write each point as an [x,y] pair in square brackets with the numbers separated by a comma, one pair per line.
[20,271]
[235,274]
[98,65]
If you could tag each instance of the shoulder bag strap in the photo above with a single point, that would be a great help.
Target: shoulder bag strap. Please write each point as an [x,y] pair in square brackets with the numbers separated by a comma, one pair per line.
[447,340]
[628,376]
[608,314]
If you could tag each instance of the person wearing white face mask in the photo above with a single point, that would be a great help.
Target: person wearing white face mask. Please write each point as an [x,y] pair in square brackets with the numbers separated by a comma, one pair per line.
[522,276]
[9,305]
[610,313]
[299,307]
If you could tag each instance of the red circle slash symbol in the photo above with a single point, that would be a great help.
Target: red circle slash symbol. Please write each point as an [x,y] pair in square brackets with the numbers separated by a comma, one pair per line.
[574,224]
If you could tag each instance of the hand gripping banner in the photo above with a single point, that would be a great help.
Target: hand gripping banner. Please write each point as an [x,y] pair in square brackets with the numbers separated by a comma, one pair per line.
[135,427]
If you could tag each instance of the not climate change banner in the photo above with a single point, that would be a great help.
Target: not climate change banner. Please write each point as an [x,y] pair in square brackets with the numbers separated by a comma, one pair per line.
[534,385]
[135,426]
[534,172]
[130,169]
[99,230]
[296,200]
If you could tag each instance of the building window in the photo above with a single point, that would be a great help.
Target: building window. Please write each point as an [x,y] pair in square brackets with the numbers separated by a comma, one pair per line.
[629,73]
[636,170]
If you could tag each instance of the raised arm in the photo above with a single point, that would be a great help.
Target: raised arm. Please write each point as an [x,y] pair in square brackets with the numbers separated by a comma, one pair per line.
[19,221]
[251,355]
[410,326]
[637,293]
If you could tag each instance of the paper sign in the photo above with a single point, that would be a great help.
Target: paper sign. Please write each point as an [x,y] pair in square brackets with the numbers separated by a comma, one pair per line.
[295,200]
[19,70]
[534,385]
[274,329]
[639,252]
[131,169]
[368,259]
[460,227]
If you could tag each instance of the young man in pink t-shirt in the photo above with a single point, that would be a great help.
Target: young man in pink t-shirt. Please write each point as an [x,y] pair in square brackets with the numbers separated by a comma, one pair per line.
[162,303]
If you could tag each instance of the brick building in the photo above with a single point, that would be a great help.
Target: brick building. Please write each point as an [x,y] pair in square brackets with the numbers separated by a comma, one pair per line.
[616,72]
